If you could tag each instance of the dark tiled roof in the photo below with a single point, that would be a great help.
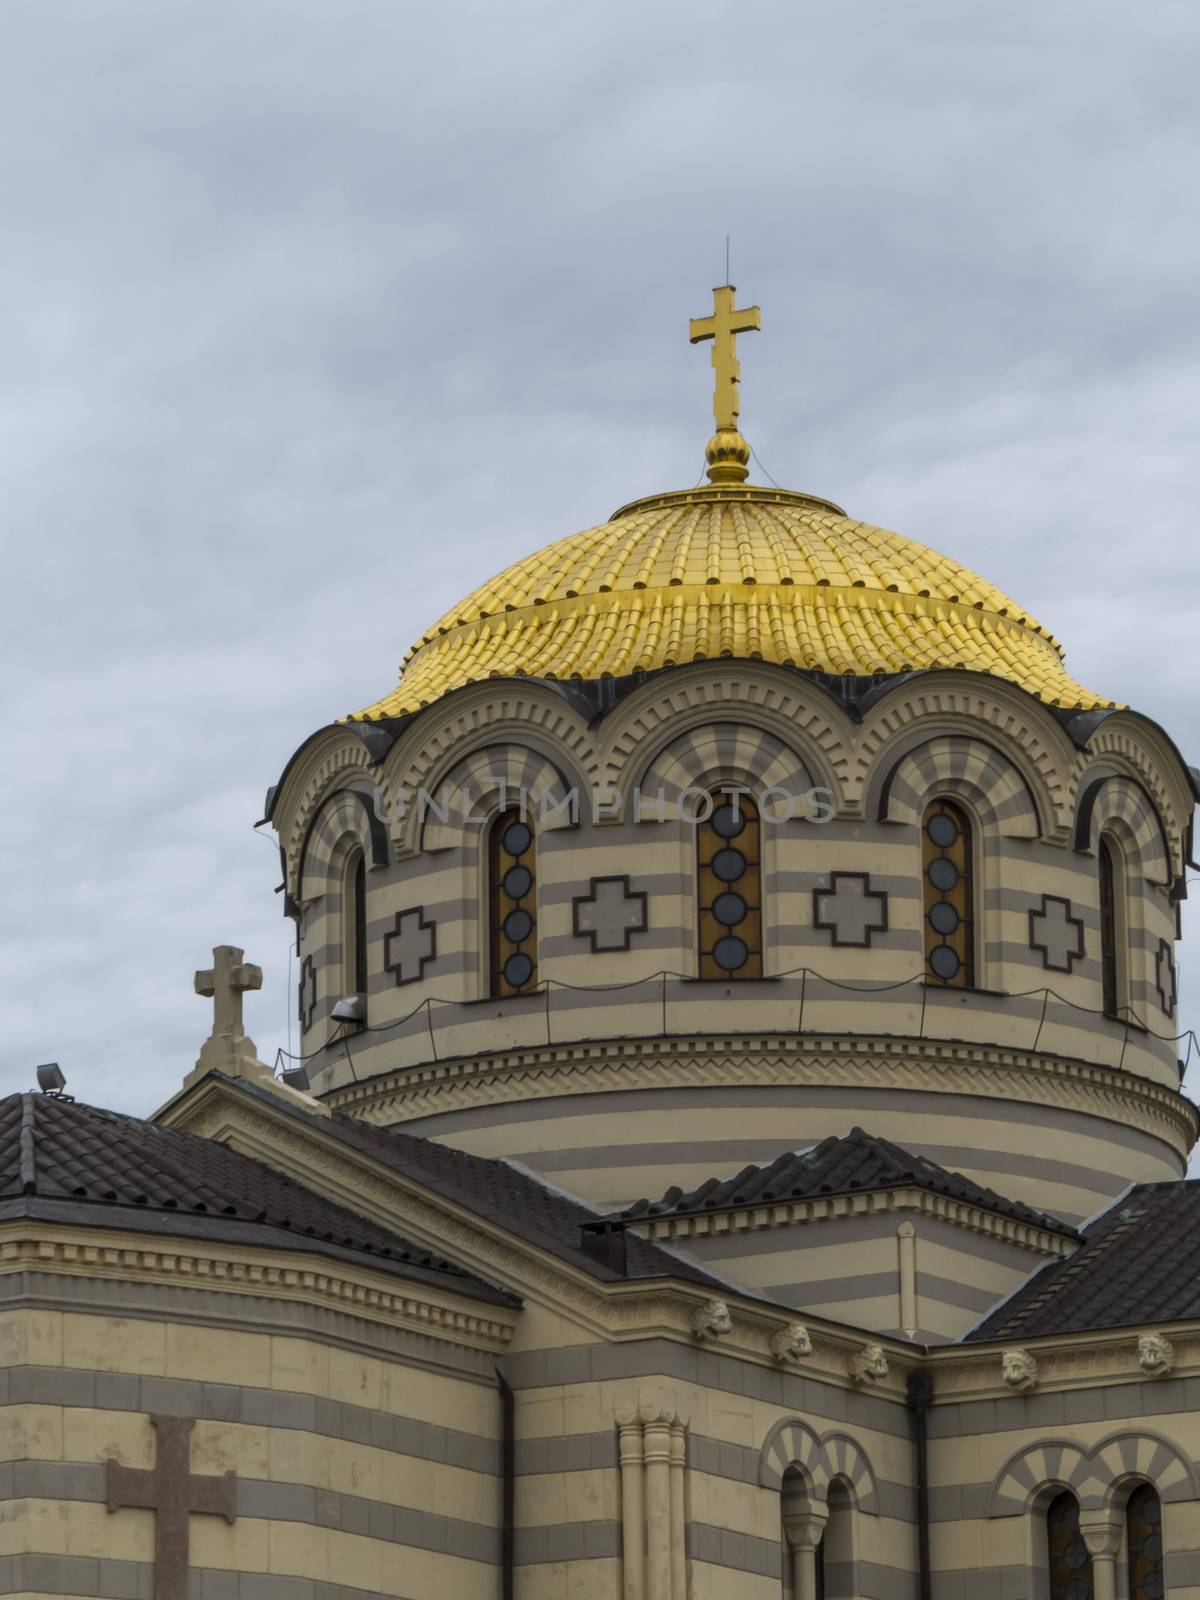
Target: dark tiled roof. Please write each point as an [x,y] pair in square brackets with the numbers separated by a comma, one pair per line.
[1139,1263]
[848,1164]
[62,1159]
[500,1193]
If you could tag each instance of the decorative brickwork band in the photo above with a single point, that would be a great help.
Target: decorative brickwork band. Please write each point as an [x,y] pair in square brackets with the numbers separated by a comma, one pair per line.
[823,1457]
[1094,1475]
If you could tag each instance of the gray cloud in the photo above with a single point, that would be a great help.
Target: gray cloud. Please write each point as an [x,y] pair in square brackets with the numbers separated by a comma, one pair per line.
[314,314]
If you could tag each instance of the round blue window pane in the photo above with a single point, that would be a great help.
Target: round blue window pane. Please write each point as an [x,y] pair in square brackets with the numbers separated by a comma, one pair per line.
[729,820]
[517,882]
[943,918]
[730,953]
[518,925]
[945,962]
[517,838]
[943,875]
[729,864]
[518,969]
[729,908]
[943,830]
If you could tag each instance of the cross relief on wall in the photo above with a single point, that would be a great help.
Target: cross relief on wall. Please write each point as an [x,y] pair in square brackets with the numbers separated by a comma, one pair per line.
[850,910]
[1056,934]
[610,913]
[410,947]
[308,992]
[1164,977]
[174,1493]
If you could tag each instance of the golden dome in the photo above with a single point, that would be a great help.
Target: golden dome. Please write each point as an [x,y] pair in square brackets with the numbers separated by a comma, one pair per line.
[731,571]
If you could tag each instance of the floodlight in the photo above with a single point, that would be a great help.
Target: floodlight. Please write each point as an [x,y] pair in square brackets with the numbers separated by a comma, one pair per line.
[348,1009]
[50,1078]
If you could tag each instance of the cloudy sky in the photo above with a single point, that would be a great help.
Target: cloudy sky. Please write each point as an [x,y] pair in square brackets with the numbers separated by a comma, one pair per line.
[312,314]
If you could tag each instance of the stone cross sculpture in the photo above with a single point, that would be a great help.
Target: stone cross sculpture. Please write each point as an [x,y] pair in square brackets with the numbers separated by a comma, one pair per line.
[227,1049]
[225,982]
[173,1492]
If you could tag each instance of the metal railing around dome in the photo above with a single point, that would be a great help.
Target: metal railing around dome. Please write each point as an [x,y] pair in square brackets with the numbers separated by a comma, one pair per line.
[664,1004]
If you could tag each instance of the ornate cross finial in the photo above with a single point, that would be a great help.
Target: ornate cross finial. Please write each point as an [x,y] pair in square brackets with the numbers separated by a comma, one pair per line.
[727,454]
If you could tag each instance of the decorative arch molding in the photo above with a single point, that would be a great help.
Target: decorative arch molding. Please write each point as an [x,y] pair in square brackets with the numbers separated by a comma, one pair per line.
[338,763]
[1094,1476]
[1002,715]
[347,817]
[956,764]
[484,716]
[823,1458]
[1126,740]
[761,698]
[1113,800]
[489,779]
[726,751]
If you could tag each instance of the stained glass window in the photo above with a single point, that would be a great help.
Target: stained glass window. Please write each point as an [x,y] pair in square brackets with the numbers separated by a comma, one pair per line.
[1070,1563]
[1143,1523]
[730,888]
[512,883]
[949,897]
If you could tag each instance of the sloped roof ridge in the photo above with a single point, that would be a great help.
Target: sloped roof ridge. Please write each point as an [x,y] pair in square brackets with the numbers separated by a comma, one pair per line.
[55,1151]
[1138,1265]
[855,1162]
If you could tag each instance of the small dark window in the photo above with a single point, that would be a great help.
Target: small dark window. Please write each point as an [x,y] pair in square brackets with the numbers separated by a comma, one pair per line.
[1070,1563]
[1143,1525]
[512,892]
[359,897]
[729,879]
[1110,940]
[947,853]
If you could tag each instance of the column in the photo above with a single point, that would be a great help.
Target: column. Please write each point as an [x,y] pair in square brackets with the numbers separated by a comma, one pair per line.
[906,1241]
[803,1531]
[678,1512]
[633,1517]
[656,1452]
[1101,1532]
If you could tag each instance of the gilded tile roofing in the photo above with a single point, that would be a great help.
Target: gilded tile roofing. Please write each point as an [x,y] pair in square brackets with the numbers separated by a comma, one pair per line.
[731,571]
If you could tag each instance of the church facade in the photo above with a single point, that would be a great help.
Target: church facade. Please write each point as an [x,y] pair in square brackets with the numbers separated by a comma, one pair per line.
[736,1148]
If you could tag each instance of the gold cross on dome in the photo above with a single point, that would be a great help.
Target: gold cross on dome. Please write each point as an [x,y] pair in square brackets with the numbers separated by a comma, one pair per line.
[723,328]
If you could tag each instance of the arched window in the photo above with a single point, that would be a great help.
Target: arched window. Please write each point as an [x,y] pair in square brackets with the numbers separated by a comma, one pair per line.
[354,924]
[512,901]
[947,856]
[1112,927]
[729,883]
[1070,1563]
[1143,1530]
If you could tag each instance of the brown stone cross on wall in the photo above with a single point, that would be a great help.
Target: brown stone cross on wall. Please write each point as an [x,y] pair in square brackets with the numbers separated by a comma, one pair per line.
[173,1493]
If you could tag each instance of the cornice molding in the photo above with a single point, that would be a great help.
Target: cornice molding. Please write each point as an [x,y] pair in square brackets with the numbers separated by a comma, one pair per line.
[54,1247]
[1064,1361]
[617,1312]
[859,1061]
[753,1218]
